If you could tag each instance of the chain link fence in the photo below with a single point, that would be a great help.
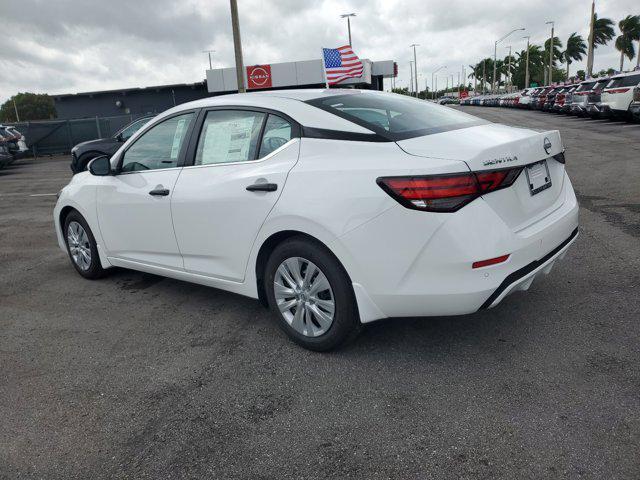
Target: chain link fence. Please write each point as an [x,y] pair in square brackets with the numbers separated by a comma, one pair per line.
[57,137]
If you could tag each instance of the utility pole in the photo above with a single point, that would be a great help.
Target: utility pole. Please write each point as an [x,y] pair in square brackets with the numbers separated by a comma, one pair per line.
[436,84]
[551,52]
[237,46]
[415,65]
[526,70]
[590,54]
[209,52]
[348,17]
[458,84]
[16,109]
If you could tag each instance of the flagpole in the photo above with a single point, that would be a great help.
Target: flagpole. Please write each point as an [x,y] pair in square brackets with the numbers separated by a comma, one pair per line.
[324,70]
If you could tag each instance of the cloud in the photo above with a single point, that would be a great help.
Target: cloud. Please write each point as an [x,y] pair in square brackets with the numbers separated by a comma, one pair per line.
[67,46]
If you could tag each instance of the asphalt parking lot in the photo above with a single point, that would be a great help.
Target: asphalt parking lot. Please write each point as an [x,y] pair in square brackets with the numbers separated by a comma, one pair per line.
[136,376]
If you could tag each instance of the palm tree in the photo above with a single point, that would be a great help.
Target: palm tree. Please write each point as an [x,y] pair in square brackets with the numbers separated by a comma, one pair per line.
[476,71]
[576,48]
[629,31]
[536,65]
[602,30]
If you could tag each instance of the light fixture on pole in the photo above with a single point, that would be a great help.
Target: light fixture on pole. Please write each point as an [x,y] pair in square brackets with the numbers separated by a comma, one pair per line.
[526,69]
[348,17]
[553,24]
[415,65]
[495,54]
[209,52]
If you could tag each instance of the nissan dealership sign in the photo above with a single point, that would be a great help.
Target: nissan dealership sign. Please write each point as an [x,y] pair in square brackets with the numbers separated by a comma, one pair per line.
[307,73]
[259,76]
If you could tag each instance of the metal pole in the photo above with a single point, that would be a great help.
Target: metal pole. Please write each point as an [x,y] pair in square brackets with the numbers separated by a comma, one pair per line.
[509,69]
[436,87]
[551,53]
[209,52]
[237,46]
[411,77]
[526,70]
[348,17]
[590,54]
[16,109]
[484,76]
[415,66]
[495,54]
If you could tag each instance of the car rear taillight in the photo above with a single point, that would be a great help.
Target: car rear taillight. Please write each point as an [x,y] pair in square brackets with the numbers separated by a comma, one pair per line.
[559,157]
[446,193]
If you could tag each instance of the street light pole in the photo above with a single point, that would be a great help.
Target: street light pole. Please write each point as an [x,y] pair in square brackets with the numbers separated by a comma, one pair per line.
[415,65]
[411,76]
[495,54]
[551,52]
[209,52]
[590,53]
[436,84]
[348,17]
[526,69]
[508,79]
[16,109]
[237,46]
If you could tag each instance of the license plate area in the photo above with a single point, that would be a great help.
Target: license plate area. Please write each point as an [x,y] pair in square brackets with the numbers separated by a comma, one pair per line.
[538,177]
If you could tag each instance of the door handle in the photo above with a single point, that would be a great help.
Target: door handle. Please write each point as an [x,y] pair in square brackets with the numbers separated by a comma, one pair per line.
[159,191]
[263,187]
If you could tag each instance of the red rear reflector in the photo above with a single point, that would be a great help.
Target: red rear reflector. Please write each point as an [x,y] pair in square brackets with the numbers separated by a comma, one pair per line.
[491,261]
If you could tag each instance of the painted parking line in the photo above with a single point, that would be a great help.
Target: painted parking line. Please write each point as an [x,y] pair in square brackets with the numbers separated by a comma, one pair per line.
[43,195]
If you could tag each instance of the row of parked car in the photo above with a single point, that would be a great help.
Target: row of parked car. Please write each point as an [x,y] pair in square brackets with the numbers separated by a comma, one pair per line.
[12,145]
[616,97]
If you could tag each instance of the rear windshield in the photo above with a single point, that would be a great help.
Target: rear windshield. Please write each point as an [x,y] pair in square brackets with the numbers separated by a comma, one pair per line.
[628,81]
[395,117]
[585,86]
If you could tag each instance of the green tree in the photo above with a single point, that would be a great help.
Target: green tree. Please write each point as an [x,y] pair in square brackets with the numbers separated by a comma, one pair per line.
[401,91]
[629,32]
[603,30]
[557,56]
[30,106]
[576,49]
[536,66]
[581,74]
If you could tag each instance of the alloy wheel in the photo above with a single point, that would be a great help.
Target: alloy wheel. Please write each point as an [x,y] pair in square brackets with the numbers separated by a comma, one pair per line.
[79,245]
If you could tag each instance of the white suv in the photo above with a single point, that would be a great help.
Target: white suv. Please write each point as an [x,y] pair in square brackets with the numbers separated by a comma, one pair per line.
[618,94]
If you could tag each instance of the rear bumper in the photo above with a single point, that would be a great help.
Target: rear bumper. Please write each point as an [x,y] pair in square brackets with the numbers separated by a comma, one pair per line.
[523,278]
[404,264]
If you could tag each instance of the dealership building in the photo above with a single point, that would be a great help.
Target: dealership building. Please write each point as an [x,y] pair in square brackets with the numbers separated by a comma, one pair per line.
[221,81]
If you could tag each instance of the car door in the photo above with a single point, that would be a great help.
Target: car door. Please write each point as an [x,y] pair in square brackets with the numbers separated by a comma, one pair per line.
[239,167]
[134,205]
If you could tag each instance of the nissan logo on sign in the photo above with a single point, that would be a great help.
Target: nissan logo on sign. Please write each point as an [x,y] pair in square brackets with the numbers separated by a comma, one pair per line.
[547,145]
[259,76]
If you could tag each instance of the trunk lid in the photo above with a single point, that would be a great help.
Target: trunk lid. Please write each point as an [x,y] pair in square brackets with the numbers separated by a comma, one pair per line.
[494,147]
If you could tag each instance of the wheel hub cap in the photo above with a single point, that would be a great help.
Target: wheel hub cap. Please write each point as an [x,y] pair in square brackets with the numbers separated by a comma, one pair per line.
[304,296]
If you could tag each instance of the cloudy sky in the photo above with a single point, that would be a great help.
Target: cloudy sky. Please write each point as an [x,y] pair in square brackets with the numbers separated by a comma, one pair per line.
[67,46]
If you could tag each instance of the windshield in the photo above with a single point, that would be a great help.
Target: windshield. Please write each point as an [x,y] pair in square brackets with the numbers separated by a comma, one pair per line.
[395,117]
[132,128]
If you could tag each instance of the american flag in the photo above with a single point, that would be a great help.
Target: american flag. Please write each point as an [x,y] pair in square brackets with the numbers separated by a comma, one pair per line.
[341,63]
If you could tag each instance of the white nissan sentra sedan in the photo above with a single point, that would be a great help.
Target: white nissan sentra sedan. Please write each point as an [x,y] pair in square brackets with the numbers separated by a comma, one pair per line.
[333,207]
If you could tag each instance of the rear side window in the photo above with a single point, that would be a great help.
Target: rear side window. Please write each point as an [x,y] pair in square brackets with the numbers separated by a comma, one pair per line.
[159,147]
[229,136]
[628,81]
[585,86]
[277,132]
[395,117]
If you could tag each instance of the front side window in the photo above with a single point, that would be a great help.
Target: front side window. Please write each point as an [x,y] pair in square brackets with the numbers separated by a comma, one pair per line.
[159,147]
[229,136]
[395,117]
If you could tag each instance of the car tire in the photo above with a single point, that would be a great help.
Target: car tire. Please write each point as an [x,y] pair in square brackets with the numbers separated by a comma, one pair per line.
[302,309]
[82,247]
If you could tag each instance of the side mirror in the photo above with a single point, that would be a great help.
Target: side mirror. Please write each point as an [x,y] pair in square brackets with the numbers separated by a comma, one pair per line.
[119,138]
[100,166]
